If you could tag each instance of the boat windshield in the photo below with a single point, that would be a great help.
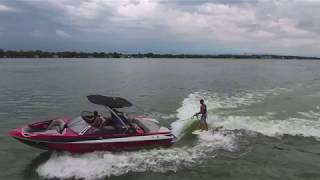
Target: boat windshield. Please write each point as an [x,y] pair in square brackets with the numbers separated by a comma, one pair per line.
[78,125]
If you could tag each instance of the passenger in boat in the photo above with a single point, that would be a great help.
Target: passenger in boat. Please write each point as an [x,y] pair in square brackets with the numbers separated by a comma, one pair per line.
[97,121]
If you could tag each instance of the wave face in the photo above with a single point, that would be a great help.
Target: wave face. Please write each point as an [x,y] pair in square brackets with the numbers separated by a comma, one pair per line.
[231,112]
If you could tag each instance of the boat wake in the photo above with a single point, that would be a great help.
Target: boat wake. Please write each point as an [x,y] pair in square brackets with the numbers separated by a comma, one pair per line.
[105,164]
[241,112]
[232,112]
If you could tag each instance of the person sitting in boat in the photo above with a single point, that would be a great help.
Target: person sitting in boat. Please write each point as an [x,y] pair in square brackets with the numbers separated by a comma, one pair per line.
[97,121]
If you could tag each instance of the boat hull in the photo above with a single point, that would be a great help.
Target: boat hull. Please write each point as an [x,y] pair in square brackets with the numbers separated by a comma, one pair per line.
[114,144]
[58,135]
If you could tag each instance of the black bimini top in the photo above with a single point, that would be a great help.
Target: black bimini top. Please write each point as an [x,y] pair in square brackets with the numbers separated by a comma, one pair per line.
[112,102]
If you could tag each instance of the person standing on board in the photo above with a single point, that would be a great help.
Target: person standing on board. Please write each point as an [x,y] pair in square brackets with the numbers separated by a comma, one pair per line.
[203,112]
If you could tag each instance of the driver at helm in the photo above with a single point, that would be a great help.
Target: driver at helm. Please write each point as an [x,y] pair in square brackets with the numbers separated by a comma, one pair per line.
[96,121]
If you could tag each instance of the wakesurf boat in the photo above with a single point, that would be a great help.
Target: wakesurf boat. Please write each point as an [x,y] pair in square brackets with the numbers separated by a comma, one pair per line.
[92,131]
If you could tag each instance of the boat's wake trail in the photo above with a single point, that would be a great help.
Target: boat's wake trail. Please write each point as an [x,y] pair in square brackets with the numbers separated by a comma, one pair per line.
[241,112]
[190,106]
[102,164]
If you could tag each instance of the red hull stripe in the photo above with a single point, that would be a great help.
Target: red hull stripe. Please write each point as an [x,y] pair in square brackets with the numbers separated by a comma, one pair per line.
[129,139]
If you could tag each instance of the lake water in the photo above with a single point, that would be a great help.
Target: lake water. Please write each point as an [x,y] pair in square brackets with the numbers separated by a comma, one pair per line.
[269,111]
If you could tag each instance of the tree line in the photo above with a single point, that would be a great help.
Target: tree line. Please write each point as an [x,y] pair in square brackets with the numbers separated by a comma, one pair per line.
[75,54]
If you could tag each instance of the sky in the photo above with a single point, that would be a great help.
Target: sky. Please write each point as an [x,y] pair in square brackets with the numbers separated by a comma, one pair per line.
[288,27]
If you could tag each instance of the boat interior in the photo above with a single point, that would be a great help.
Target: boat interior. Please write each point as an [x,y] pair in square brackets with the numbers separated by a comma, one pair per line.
[117,123]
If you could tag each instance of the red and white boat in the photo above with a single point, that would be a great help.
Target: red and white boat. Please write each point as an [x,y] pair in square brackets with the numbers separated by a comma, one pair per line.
[116,131]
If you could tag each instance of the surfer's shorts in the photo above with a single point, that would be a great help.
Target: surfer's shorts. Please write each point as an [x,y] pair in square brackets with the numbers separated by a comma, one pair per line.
[203,117]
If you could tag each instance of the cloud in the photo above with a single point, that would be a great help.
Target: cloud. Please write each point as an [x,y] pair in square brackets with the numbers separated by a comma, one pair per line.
[62,34]
[5,8]
[235,26]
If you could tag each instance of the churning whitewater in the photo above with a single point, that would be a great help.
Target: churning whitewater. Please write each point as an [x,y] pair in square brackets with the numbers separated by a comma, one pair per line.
[223,111]
[100,164]
[232,112]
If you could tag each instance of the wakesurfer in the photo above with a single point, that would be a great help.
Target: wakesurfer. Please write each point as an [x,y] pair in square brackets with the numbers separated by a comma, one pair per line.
[203,118]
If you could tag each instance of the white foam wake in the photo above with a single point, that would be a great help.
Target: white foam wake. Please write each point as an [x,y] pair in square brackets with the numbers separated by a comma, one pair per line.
[190,105]
[308,125]
[271,127]
[102,164]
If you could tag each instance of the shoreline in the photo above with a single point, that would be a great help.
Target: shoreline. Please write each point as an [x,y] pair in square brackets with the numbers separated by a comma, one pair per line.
[87,55]
[162,58]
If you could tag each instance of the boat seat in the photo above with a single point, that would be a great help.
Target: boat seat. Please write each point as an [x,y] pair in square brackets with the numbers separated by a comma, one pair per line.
[57,125]
[141,125]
